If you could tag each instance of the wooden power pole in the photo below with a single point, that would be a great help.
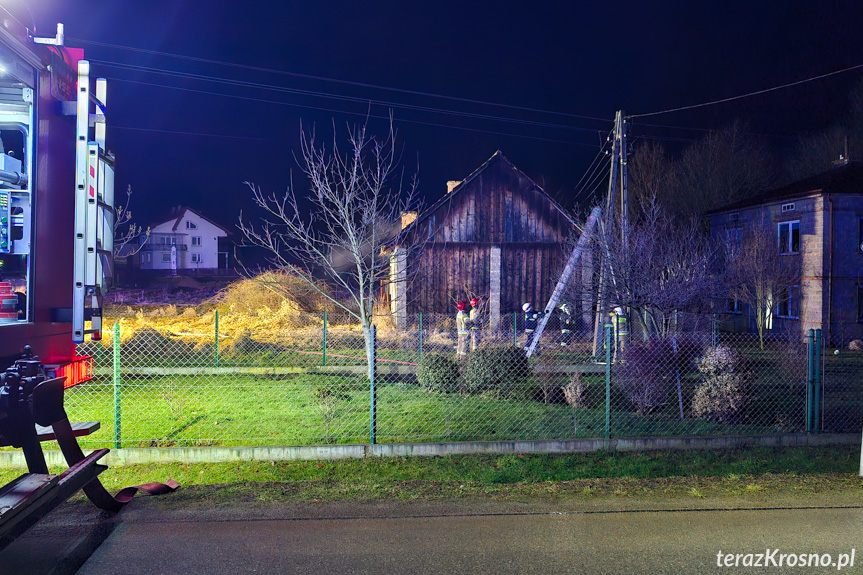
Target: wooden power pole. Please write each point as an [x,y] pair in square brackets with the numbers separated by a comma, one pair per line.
[617,178]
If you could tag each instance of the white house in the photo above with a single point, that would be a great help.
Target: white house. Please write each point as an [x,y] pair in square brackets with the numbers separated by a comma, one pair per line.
[187,241]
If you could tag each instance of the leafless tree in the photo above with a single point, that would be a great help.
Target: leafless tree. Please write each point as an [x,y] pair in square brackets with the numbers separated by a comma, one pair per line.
[757,275]
[662,267]
[652,174]
[346,235]
[816,152]
[129,237]
[725,166]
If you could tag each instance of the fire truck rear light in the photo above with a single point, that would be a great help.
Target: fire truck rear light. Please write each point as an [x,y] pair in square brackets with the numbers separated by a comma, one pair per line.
[79,371]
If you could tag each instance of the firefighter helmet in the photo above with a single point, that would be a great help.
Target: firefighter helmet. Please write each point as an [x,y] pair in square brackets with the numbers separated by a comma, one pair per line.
[460,306]
[474,302]
[525,307]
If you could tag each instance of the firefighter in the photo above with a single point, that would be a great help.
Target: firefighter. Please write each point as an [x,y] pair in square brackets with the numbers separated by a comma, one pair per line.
[461,320]
[530,320]
[475,323]
[566,324]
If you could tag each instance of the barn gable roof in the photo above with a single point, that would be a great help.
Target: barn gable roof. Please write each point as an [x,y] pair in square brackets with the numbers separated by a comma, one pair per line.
[464,184]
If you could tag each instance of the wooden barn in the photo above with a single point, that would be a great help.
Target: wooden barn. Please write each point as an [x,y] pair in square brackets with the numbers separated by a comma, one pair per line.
[496,234]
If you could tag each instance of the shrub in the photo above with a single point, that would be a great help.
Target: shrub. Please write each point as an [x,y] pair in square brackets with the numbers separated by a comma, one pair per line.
[438,372]
[722,394]
[503,369]
[574,391]
[649,370]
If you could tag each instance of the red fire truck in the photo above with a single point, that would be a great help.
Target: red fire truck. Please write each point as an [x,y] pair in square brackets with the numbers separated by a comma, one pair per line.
[56,200]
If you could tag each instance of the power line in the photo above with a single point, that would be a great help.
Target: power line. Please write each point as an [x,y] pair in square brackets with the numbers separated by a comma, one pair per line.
[229,81]
[705,130]
[334,80]
[138,129]
[797,83]
[592,185]
[363,114]
[599,155]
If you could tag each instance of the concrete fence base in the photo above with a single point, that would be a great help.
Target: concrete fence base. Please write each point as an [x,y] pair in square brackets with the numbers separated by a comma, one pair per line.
[134,456]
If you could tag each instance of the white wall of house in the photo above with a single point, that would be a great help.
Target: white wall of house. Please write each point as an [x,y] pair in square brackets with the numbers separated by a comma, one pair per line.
[196,240]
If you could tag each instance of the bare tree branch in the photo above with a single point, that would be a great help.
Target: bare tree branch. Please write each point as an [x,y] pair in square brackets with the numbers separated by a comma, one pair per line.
[757,275]
[357,198]
[126,231]
[661,267]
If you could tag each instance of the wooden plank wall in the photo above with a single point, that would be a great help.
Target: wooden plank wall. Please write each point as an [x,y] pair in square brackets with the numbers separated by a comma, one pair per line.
[499,207]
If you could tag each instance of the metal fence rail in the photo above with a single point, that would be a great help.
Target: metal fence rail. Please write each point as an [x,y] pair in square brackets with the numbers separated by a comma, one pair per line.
[308,384]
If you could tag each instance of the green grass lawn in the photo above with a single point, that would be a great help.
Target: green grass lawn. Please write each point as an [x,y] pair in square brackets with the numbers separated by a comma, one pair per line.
[306,408]
[316,409]
[751,477]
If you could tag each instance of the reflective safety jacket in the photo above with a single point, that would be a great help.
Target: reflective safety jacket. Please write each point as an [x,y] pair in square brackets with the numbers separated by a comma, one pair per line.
[461,322]
[566,323]
[475,319]
[530,319]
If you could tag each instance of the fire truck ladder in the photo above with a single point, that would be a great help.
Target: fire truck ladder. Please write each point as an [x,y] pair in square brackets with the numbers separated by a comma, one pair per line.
[94,209]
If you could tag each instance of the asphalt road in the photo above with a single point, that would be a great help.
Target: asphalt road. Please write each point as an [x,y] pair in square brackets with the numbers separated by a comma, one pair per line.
[406,538]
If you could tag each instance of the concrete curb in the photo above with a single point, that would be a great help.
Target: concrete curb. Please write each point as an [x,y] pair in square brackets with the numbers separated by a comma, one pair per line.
[135,456]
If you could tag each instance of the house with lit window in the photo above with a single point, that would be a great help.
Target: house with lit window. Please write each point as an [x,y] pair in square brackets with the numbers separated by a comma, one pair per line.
[819,222]
[185,243]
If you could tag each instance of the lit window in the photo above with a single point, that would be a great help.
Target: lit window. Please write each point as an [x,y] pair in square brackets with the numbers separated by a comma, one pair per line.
[196,258]
[196,240]
[789,237]
[191,225]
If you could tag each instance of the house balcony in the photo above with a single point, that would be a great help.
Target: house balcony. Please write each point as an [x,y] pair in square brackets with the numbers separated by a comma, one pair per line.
[163,242]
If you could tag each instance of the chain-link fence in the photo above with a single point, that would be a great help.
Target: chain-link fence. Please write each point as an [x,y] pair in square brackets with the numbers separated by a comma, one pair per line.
[309,383]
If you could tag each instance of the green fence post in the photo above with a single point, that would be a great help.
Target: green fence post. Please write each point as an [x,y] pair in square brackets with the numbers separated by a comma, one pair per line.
[810,379]
[420,329]
[715,323]
[515,328]
[216,347]
[117,389]
[608,328]
[817,387]
[325,339]
[373,393]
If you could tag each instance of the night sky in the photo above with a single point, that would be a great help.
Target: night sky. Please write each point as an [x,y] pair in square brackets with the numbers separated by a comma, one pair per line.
[561,69]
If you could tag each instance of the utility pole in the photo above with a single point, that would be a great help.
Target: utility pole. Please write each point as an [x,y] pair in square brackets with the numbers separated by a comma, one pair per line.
[624,190]
[617,177]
